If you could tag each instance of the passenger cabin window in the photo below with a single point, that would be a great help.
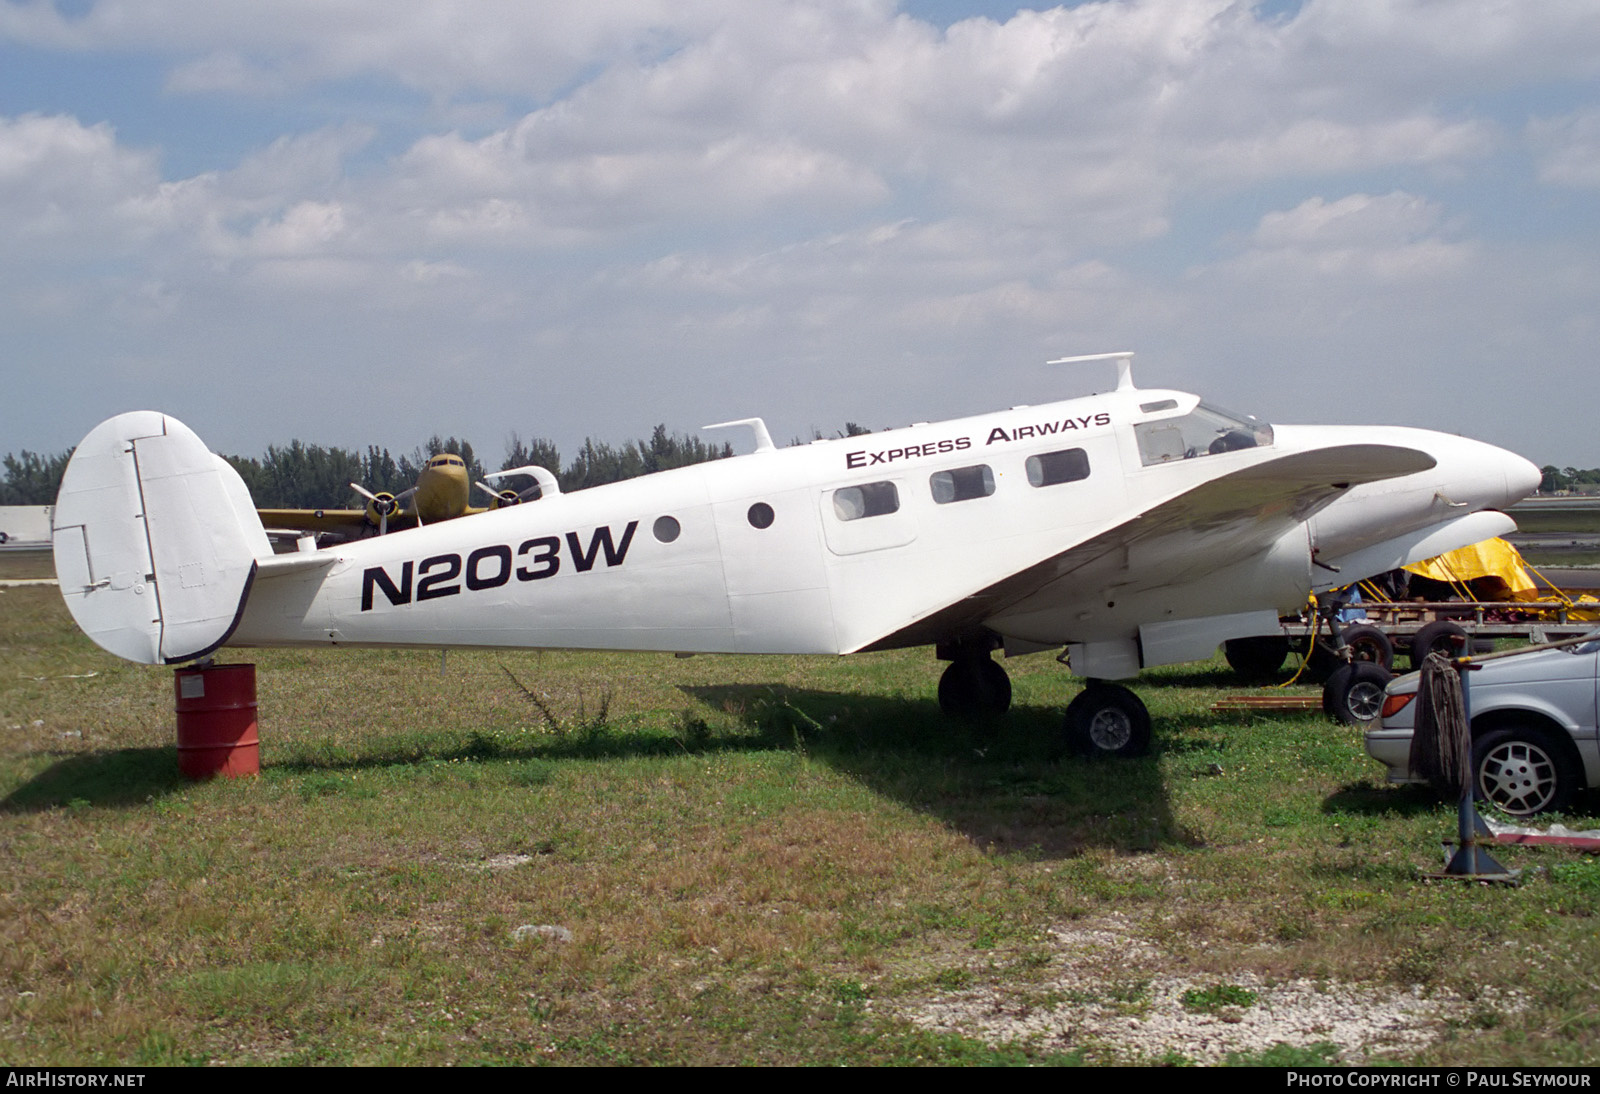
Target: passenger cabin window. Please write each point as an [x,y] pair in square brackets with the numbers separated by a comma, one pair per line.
[1204,431]
[962,484]
[1050,468]
[870,499]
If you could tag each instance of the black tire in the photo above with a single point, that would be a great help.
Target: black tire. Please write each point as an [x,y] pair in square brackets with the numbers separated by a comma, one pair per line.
[1354,693]
[1258,657]
[1367,643]
[1107,720]
[974,688]
[1438,635]
[1522,771]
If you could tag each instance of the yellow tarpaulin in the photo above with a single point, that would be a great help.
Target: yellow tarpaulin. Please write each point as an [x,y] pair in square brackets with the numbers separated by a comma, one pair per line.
[1500,567]
[1493,558]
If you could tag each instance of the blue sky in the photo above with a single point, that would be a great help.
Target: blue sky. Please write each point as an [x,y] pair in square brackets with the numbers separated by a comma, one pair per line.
[361,222]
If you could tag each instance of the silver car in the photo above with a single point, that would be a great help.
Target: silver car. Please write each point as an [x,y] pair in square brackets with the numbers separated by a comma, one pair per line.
[1534,719]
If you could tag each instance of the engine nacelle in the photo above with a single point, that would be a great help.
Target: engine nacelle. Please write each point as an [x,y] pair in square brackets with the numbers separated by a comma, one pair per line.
[381,505]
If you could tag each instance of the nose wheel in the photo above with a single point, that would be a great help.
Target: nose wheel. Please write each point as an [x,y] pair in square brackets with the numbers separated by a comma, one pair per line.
[1354,693]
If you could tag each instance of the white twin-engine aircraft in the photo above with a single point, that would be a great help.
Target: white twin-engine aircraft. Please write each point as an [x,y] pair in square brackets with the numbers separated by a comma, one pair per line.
[1135,528]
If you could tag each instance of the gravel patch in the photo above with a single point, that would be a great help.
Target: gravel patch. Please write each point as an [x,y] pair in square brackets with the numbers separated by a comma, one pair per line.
[1110,994]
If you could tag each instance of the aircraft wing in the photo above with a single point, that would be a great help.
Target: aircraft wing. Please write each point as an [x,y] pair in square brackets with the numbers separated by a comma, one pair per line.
[351,522]
[1214,524]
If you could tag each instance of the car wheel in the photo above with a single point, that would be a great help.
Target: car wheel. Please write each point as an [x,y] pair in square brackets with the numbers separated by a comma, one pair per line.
[1522,772]
[1108,720]
[1439,635]
[1368,643]
[1354,693]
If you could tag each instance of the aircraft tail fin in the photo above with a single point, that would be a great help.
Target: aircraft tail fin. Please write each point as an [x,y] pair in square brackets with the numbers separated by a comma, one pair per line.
[156,540]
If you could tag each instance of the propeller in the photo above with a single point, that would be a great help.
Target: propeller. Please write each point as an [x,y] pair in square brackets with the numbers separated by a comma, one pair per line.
[502,498]
[380,505]
[545,485]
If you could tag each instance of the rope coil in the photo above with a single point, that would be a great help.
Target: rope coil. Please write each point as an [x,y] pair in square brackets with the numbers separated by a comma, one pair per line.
[1441,743]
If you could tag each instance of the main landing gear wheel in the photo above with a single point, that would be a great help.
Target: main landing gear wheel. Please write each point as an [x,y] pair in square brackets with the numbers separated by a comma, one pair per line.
[1354,693]
[1107,720]
[974,688]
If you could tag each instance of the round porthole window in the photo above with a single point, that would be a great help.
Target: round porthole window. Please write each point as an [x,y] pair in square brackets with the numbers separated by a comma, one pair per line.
[666,529]
[760,515]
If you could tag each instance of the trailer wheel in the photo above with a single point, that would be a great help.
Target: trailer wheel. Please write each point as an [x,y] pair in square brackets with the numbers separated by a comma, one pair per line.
[1256,658]
[1440,636]
[1368,643]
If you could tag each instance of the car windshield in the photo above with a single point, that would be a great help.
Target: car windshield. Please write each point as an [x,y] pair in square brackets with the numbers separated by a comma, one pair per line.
[1590,643]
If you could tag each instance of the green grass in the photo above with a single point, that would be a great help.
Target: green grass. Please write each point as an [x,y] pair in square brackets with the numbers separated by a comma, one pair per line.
[759,860]
[24,564]
[1559,515]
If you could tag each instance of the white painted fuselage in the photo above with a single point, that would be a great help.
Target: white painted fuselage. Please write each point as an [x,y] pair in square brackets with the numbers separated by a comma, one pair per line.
[1117,539]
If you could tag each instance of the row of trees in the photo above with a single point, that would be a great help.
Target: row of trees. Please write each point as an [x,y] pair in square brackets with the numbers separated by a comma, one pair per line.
[306,476]
[1558,479]
[309,476]
[32,478]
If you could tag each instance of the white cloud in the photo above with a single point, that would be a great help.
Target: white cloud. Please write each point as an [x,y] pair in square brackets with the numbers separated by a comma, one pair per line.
[791,202]
[443,46]
[1568,148]
[67,185]
[1354,241]
[1355,220]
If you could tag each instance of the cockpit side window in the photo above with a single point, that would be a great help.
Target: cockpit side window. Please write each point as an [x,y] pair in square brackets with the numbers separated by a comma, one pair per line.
[1204,431]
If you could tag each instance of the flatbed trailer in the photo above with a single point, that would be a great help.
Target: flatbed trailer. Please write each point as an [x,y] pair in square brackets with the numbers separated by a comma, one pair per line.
[1401,622]
[1355,645]
[1351,636]
[1380,631]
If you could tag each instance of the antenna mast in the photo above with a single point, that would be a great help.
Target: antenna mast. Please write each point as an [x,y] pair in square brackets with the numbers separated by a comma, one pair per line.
[1123,358]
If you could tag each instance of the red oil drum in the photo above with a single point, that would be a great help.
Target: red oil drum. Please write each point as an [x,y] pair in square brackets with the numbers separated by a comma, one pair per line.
[217,721]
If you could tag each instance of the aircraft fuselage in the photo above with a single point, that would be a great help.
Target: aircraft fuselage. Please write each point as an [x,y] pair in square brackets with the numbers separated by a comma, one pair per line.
[913,536]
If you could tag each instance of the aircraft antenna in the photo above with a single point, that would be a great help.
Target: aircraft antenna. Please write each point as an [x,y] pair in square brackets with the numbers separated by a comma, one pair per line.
[1123,358]
[757,426]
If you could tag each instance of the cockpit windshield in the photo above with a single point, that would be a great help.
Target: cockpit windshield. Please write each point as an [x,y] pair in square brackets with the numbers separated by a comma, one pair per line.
[1204,431]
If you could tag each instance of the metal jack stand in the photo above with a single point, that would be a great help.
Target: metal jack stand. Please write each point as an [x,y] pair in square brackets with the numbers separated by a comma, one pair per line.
[1470,861]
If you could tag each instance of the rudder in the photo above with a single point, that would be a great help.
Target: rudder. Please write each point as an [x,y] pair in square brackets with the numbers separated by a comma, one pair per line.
[156,542]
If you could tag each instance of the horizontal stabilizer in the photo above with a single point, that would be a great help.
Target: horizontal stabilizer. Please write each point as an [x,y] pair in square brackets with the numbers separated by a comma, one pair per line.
[155,542]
